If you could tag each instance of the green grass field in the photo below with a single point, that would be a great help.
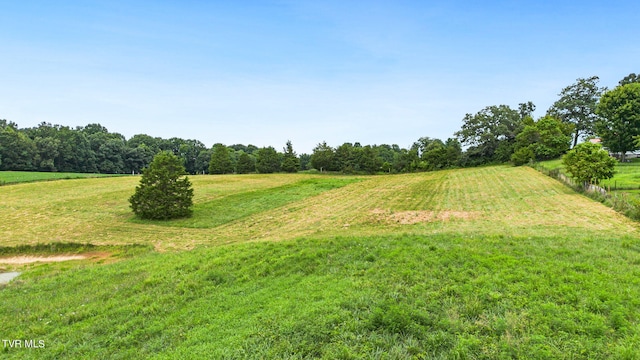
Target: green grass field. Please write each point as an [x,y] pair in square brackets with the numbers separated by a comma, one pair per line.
[494,262]
[11,177]
[626,177]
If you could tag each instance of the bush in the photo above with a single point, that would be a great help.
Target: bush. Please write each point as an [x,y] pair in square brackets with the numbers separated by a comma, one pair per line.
[522,156]
[163,192]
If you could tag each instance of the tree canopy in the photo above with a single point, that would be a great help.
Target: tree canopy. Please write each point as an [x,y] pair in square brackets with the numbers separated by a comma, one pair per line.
[545,139]
[577,105]
[491,133]
[619,124]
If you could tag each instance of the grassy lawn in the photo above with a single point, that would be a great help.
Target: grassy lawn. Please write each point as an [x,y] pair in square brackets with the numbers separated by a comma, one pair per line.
[10,177]
[626,177]
[495,262]
[488,201]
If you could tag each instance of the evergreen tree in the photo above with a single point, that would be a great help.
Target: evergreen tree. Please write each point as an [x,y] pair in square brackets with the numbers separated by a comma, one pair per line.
[163,192]
[290,162]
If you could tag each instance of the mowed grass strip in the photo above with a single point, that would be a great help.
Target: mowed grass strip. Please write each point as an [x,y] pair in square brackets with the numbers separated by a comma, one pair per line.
[12,177]
[97,210]
[484,201]
[225,209]
[411,296]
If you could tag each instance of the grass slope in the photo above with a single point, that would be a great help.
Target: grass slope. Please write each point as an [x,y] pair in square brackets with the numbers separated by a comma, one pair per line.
[376,297]
[494,262]
[489,201]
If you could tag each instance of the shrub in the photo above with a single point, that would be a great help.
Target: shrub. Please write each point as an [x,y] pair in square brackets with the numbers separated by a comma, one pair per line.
[163,192]
[522,156]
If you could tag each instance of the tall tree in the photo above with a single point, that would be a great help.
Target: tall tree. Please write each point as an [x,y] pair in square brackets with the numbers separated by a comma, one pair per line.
[619,124]
[577,105]
[220,160]
[290,161]
[491,133]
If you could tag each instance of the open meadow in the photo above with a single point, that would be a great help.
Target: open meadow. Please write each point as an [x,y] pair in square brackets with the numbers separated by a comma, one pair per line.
[11,177]
[492,262]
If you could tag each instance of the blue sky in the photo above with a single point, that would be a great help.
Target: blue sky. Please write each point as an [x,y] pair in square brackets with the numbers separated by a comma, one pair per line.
[264,72]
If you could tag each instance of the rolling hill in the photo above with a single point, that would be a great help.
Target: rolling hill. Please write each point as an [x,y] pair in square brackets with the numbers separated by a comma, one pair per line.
[493,262]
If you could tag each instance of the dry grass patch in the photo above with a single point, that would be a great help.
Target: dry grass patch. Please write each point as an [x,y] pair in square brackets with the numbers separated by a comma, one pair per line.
[420,216]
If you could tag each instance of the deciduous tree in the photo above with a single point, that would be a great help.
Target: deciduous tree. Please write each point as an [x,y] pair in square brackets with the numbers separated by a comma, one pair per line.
[619,111]
[18,151]
[544,139]
[577,106]
[491,132]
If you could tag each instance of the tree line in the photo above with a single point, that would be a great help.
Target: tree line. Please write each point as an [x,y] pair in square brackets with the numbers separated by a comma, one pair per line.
[495,134]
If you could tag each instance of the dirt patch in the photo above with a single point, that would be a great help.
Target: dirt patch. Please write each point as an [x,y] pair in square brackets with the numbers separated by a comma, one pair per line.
[420,216]
[28,259]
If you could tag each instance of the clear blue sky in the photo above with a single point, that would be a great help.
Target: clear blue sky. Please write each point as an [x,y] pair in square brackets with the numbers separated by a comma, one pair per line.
[263,72]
